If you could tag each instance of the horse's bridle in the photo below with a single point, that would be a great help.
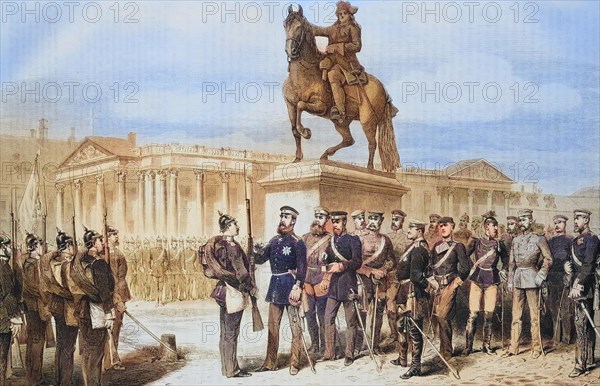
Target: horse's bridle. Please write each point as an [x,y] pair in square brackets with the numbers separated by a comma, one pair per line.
[298,42]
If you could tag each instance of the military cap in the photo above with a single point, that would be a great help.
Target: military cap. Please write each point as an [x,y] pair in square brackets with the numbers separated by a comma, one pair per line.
[582,212]
[515,218]
[465,217]
[289,210]
[63,240]
[525,213]
[321,210]
[489,213]
[560,217]
[412,223]
[338,215]
[112,230]
[224,221]
[372,213]
[357,213]
[435,217]
[90,236]
[398,212]
[446,220]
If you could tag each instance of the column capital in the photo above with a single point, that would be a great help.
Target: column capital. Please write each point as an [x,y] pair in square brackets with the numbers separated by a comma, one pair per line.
[225,177]
[60,187]
[78,184]
[506,195]
[470,192]
[441,190]
[99,179]
[451,191]
[173,172]
[121,175]
[249,179]
[489,193]
[199,173]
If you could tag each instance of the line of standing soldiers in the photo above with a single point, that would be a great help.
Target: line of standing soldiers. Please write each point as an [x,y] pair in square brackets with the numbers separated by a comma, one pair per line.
[405,273]
[83,294]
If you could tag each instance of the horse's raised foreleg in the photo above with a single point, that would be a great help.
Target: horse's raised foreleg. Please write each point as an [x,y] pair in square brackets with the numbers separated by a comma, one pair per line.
[317,107]
[292,113]
[347,140]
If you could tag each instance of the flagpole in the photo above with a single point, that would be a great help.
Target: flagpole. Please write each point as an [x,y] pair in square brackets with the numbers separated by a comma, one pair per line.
[45,212]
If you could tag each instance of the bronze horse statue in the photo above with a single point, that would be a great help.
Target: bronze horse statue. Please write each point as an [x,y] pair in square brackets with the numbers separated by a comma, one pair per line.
[305,90]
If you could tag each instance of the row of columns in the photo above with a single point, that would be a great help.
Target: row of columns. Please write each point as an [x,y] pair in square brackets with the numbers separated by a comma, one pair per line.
[450,193]
[157,201]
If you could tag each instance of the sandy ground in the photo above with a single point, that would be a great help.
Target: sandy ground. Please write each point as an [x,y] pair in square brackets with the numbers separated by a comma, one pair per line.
[196,326]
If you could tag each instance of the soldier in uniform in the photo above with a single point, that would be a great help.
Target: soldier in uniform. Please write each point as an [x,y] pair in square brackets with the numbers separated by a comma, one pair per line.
[230,265]
[485,277]
[343,259]
[92,289]
[463,234]
[36,309]
[411,298]
[377,260]
[450,267]
[580,276]
[159,261]
[530,261]
[317,282]
[560,247]
[53,269]
[432,235]
[341,64]
[10,313]
[511,231]
[360,223]
[400,242]
[121,295]
[287,255]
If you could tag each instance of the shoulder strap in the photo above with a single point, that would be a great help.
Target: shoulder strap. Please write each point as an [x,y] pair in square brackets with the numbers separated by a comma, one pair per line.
[377,252]
[446,256]
[318,245]
[83,282]
[336,252]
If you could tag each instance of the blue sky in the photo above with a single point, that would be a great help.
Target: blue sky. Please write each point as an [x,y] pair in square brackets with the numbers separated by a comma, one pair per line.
[174,61]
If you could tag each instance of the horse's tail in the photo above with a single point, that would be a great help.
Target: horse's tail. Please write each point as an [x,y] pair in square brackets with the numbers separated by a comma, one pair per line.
[388,151]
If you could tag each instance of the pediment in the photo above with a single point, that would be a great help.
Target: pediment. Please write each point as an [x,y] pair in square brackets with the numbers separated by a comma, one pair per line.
[480,170]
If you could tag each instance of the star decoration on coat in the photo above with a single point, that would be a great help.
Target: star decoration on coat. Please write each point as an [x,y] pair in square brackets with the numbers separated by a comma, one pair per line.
[286,250]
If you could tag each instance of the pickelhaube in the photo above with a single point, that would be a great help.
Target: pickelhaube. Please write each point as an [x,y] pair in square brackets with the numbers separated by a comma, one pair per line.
[224,221]
[63,240]
[90,236]
[32,241]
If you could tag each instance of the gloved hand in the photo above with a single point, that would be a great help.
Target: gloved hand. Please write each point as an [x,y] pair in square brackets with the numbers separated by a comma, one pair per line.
[378,273]
[15,325]
[295,294]
[432,285]
[258,248]
[503,276]
[539,280]
[568,266]
[120,306]
[108,322]
[353,296]
[576,291]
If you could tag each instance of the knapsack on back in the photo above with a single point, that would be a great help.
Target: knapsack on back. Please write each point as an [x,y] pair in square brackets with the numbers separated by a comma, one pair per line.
[206,269]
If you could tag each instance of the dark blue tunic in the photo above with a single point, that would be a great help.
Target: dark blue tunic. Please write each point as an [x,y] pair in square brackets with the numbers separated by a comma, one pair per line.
[286,253]
[350,248]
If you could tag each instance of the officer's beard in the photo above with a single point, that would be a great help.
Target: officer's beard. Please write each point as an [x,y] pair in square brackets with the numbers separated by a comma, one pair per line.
[316,229]
[373,227]
[283,229]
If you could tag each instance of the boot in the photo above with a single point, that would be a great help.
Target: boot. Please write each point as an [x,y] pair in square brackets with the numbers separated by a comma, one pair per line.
[416,339]
[378,323]
[487,334]
[470,333]
[338,111]
[393,338]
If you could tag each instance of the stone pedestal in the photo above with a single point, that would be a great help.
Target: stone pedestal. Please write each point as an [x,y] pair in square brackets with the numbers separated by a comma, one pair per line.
[334,185]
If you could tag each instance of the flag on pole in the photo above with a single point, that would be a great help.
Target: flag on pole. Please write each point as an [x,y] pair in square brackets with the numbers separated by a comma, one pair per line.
[31,206]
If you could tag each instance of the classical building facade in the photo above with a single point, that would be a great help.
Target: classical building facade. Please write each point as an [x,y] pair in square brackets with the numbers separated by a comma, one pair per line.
[177,190]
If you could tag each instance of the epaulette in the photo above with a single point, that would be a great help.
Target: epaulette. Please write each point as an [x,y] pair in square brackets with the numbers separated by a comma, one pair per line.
[296,237]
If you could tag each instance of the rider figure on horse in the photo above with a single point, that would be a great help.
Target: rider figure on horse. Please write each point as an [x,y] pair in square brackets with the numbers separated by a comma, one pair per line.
[341,64]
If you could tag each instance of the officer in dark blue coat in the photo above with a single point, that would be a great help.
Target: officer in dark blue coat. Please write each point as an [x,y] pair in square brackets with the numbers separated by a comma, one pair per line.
[287,254]
[344,257]
[580,274]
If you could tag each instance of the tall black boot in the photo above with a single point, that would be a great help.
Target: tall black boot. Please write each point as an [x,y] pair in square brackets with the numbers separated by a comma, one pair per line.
[470,333]
[487,334]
